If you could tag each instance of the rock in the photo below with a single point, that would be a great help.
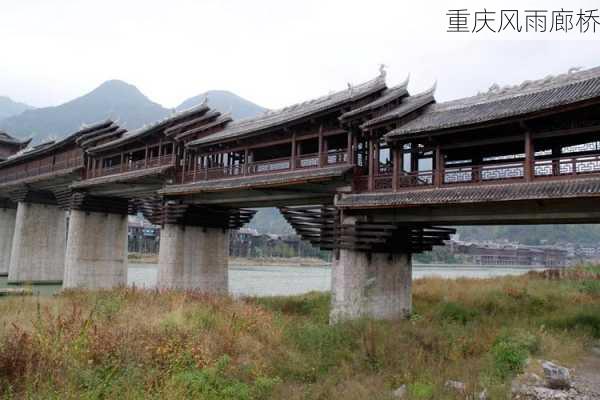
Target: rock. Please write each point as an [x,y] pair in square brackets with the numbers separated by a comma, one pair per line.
[483,395]
[557,377]
[399,393]
[456,385]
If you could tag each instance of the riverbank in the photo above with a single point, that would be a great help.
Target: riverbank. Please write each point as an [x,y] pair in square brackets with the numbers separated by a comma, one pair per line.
[246,261]
[477,331]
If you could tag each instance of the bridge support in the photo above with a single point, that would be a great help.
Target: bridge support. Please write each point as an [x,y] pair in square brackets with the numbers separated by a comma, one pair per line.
[375,285]
[193,258]
[7,231]
[38,246]
[96,250]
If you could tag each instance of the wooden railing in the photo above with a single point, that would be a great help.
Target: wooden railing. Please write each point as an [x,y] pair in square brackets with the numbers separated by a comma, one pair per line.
[500,171]
[132,166]
[276,165]
[28,170]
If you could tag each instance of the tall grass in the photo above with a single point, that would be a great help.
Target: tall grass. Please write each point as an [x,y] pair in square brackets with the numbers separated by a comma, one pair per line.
[132,344]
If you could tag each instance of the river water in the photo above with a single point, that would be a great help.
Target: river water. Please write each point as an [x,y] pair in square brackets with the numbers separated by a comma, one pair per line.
[289,280]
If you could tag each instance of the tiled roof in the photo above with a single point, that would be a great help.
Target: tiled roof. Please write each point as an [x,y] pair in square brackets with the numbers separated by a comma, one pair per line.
[499,103]
[408,105]
[272,119]
[564,188]
[6,138]
[151,128]
[52,146]
[387,96]
[257,181]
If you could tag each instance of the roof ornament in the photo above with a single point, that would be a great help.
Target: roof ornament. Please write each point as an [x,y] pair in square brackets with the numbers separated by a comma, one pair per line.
[572,70]
[350,89]
[382,71]
[204,101]
[495,88]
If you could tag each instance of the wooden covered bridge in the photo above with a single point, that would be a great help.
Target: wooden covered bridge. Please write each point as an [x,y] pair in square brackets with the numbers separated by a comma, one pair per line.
[372,172]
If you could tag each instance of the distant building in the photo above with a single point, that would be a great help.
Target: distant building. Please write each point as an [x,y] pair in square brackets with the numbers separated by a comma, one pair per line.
[486,253]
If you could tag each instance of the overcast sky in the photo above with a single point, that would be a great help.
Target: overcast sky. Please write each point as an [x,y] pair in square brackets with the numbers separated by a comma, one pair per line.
[274,53]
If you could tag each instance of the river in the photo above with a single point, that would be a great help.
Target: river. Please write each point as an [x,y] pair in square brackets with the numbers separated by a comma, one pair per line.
[289,280]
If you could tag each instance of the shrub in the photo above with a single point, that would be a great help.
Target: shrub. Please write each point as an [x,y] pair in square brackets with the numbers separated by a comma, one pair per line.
[587,321]
[590,287]
[510,353]
[457,313]
[421,390]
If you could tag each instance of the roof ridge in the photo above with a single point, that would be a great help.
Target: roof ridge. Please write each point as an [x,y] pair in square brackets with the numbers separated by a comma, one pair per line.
[522,89]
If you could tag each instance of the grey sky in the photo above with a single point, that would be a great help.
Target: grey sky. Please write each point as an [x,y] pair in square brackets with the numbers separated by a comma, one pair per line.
[271,52]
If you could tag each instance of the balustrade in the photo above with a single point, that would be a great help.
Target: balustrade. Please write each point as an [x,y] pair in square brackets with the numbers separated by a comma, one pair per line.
[546,168]
[27,170]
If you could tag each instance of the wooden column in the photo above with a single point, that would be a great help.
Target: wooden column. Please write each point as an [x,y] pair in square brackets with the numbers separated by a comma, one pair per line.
[556,153]
[439,166]
[371,165]
[349,149]
[397,167]
[146,157]
[246,159]
[528,169]
[293,158]
[321,146]
[122,161]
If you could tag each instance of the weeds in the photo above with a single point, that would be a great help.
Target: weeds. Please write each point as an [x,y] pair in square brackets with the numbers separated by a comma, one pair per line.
[134,344]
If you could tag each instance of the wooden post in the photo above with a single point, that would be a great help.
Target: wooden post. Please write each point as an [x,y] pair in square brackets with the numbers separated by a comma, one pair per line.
[349,149]
[146,157]
[528,168]
[396,167]
[293,158]
[246,159]
[439,166]
[321,145]
[556,153]
[122,161]
[371,165]
[195,166]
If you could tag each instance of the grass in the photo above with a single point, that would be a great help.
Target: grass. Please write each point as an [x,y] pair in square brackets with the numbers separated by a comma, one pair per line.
[132,344]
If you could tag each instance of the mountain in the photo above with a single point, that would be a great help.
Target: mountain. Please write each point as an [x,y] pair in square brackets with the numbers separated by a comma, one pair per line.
[113,99]
[225,101]
[8,107]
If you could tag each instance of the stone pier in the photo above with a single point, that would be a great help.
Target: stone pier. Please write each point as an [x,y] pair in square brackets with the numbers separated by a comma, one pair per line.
[8,217]
[375,285]
[39,243]
[96,256]
[193,258]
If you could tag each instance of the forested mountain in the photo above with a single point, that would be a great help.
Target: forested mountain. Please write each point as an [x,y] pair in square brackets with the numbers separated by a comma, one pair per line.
[8,107]
[112,99]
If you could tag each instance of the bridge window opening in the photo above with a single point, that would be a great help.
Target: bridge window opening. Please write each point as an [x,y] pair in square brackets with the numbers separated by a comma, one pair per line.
[272,152]
[167,149]
[153,151]
[138,155]
[110,162]
[362,154]
[308,146]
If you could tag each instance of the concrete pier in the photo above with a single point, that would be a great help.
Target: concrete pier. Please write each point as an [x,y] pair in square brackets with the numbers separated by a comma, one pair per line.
[39,243]
[193,258]
[96,256]
[8,217]
[374,286]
